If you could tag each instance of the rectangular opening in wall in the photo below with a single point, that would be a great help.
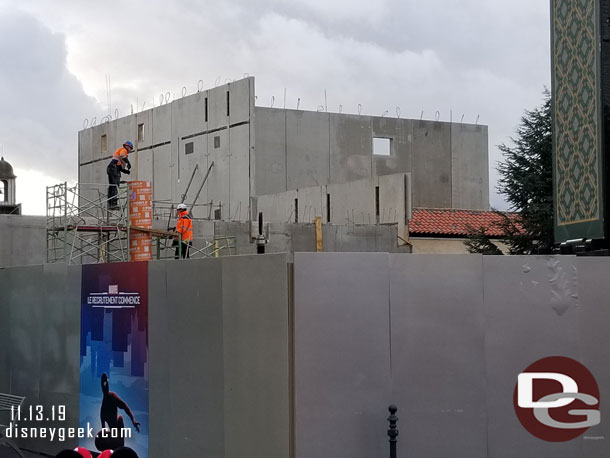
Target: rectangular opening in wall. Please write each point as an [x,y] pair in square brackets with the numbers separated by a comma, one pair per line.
[327,207]
[228,103]
[217,141]
[206,109]
[377,204]
[218,214]
[189,148]
[382,146]
[296,210]
[141,132]
[104,143]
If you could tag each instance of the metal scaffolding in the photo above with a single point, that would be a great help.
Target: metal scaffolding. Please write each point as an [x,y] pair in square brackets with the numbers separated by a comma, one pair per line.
[82,229]
[203,247]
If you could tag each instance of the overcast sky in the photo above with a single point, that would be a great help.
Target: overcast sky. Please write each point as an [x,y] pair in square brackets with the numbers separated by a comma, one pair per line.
[479,58]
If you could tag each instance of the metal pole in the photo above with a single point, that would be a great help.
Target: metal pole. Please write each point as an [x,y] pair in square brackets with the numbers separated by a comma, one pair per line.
[189,185]
[260,238]
[201,187]
[393,431]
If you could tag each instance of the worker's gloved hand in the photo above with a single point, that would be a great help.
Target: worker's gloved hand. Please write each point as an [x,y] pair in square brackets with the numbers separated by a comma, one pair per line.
[128,166]
[126,171]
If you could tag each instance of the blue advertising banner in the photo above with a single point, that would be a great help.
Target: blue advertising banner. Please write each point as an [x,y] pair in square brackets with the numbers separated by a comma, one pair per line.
[114,356]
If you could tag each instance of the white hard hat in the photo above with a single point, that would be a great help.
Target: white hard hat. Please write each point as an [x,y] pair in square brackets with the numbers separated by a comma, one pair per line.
[181,207]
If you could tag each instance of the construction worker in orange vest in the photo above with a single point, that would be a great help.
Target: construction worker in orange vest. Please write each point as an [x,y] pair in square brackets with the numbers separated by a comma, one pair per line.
[185,228]
[119,163]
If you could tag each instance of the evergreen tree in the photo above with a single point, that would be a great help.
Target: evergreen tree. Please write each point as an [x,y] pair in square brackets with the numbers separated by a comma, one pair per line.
[479,242]
[526,179]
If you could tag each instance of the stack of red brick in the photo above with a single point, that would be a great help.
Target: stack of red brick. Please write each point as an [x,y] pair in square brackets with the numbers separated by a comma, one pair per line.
[140,215]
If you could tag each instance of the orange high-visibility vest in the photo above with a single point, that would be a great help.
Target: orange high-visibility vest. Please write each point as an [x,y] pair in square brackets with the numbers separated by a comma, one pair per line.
[120,155]
[185,226]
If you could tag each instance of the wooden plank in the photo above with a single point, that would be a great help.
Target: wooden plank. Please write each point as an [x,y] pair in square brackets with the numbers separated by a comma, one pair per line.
[318,222]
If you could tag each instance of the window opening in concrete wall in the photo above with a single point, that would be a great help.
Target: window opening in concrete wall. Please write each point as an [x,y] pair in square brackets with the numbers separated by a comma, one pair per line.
[327,207]
[141,132]
[218,214]
[206,109]
[228,104]
[217,141]
[104,143]
[382,146]
[377,204]
[296,210]
[189,148]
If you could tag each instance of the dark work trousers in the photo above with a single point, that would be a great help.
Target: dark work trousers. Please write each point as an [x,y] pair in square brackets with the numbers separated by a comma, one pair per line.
[184,248]
[114,179]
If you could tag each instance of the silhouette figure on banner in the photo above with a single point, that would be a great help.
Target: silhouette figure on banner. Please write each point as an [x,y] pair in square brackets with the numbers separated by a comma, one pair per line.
[110,437]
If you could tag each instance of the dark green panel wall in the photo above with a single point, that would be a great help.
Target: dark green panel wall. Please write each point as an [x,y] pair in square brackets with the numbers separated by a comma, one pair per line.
[577,136]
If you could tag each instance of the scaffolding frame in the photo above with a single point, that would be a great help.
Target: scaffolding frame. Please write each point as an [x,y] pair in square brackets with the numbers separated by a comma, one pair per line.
[82,227]
[203,247]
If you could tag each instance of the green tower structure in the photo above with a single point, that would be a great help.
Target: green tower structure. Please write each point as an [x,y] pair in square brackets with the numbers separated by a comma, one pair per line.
[580,155]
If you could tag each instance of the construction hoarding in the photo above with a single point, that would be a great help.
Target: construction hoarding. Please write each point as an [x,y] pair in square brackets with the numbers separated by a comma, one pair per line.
[114,356]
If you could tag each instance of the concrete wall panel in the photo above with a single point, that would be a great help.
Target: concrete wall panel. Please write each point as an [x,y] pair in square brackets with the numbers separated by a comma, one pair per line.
[60,347]
[187,119]
[144,165]
[23,240]
[159,360]
[195,339]
[361,239]
[352,203]
[350,148]
[60,352]
[342,383]
[594,314]
[217,107]
[256,357]
[279,207]
[90,181]
[308,149]
[124,129]
[437,305]
[100,176]
[188,115]
[239,173]
[469,167]
[219,179]
[144,118]
[312,203]
[86,173]
[96,141]
[241,100]
[392,203]
[85,146]
[162,173]
[188,163]
[532,312]
[431,164]
[161,131]
[25,298]
[270,151]
[400,131]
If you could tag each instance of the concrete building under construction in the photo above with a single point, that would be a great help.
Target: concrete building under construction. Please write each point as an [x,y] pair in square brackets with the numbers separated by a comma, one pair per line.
[293,165]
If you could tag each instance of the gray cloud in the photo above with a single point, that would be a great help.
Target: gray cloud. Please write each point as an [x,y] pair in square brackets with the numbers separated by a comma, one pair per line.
[41,102]
[488,59]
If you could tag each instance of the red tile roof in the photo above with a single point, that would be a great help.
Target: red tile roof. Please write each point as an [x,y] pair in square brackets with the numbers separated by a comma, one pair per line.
[446,221]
